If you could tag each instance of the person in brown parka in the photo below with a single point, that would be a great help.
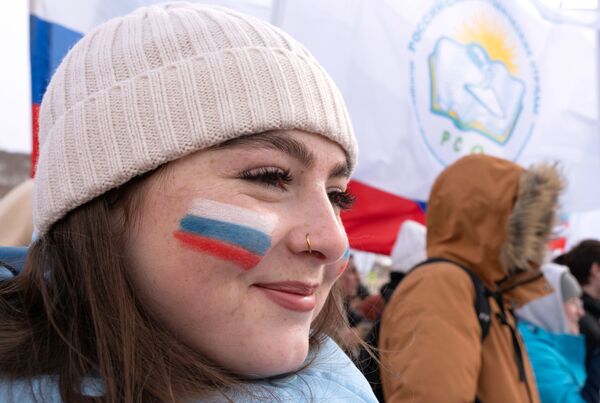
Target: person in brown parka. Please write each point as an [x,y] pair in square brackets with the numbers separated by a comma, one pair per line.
[493,217]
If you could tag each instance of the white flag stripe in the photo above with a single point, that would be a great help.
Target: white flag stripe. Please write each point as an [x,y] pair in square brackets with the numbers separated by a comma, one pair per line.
[230,213]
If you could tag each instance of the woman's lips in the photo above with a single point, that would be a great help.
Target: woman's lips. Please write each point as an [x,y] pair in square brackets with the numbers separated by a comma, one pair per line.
[292,295]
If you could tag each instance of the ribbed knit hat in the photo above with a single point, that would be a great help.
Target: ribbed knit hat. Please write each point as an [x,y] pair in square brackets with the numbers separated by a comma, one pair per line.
[163,82]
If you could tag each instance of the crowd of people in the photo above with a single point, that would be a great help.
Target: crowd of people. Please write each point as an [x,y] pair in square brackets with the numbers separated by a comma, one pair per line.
[555,334]
[485,315]
[188,244]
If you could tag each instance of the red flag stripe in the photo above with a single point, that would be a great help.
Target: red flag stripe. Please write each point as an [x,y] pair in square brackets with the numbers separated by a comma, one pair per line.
[219,249]
[35,151]
[373,223]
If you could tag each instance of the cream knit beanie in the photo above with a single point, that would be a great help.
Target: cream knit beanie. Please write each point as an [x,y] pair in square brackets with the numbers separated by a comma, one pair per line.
[163,82]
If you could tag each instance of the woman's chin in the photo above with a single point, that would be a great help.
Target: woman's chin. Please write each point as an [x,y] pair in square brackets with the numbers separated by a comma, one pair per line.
[281,359]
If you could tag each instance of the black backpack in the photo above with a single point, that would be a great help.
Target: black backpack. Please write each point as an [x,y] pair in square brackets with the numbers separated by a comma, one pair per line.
[481,305]
[481,302]
[370,368]
[483,312]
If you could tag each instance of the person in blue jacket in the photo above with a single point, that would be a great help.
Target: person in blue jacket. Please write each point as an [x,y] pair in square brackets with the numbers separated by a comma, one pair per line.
[193,168]
[550,330]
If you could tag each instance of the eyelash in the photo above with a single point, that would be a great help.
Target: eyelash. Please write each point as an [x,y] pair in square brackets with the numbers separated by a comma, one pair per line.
[342,199]
[268,176]
[280,178]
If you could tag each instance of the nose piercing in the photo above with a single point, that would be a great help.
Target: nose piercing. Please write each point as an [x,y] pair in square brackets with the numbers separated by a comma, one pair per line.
[308,244]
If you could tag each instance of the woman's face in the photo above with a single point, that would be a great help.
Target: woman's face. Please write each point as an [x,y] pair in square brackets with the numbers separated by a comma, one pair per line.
[220,253]
[573,312]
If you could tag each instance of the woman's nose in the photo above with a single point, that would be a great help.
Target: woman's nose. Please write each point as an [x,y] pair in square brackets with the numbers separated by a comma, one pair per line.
[319,231]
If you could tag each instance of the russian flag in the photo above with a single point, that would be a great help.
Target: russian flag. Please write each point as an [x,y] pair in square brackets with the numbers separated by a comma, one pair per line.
[49,42]
[373,222]
[228,232]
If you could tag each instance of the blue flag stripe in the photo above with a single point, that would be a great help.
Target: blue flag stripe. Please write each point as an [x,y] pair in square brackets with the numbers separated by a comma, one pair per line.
[245,237]
[49,44]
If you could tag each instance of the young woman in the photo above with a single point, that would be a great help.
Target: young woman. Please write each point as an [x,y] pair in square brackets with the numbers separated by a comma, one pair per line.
[550,330]
[193,166]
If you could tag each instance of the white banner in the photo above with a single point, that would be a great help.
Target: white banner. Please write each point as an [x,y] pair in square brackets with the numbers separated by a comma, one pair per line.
[429,81]
[83,15]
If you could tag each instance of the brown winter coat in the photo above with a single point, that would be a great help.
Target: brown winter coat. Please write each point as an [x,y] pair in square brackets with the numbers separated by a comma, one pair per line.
[493,217]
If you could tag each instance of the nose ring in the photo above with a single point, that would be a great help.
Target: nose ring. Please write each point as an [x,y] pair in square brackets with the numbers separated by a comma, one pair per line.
[308,244]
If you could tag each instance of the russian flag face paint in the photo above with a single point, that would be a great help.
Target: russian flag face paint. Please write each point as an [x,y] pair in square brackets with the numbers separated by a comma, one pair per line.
[345,260]
[228,232]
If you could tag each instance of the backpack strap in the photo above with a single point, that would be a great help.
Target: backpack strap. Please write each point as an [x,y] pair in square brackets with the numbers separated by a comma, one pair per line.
[481,303]
[503,318]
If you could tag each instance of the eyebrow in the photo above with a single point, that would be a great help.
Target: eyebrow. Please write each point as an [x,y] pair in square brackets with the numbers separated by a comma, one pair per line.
[292,147]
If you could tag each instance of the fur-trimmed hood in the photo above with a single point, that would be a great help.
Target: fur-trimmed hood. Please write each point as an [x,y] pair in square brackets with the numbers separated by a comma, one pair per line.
[496,218]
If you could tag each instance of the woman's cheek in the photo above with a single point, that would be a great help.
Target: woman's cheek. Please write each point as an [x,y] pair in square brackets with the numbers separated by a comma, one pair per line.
[228,232]
[342,264]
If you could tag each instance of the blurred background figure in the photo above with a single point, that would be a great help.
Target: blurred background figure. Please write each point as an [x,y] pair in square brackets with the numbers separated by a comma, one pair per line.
[16,216]
[350,284]
[583,261]
[488,222]
[408,251]
[550,330]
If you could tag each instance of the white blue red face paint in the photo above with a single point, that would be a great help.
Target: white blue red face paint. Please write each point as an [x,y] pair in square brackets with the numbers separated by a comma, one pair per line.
[345,260]
[228,232]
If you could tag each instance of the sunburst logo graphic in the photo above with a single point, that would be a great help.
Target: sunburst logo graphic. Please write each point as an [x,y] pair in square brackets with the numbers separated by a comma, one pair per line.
[474,84]
[490,35]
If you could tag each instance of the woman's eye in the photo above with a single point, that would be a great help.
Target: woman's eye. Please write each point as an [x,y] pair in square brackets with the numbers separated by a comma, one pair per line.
[268,176]
[342,199]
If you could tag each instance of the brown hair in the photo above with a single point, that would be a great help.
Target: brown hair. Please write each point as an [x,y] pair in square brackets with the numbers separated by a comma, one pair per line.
[581,258]
[73,313]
